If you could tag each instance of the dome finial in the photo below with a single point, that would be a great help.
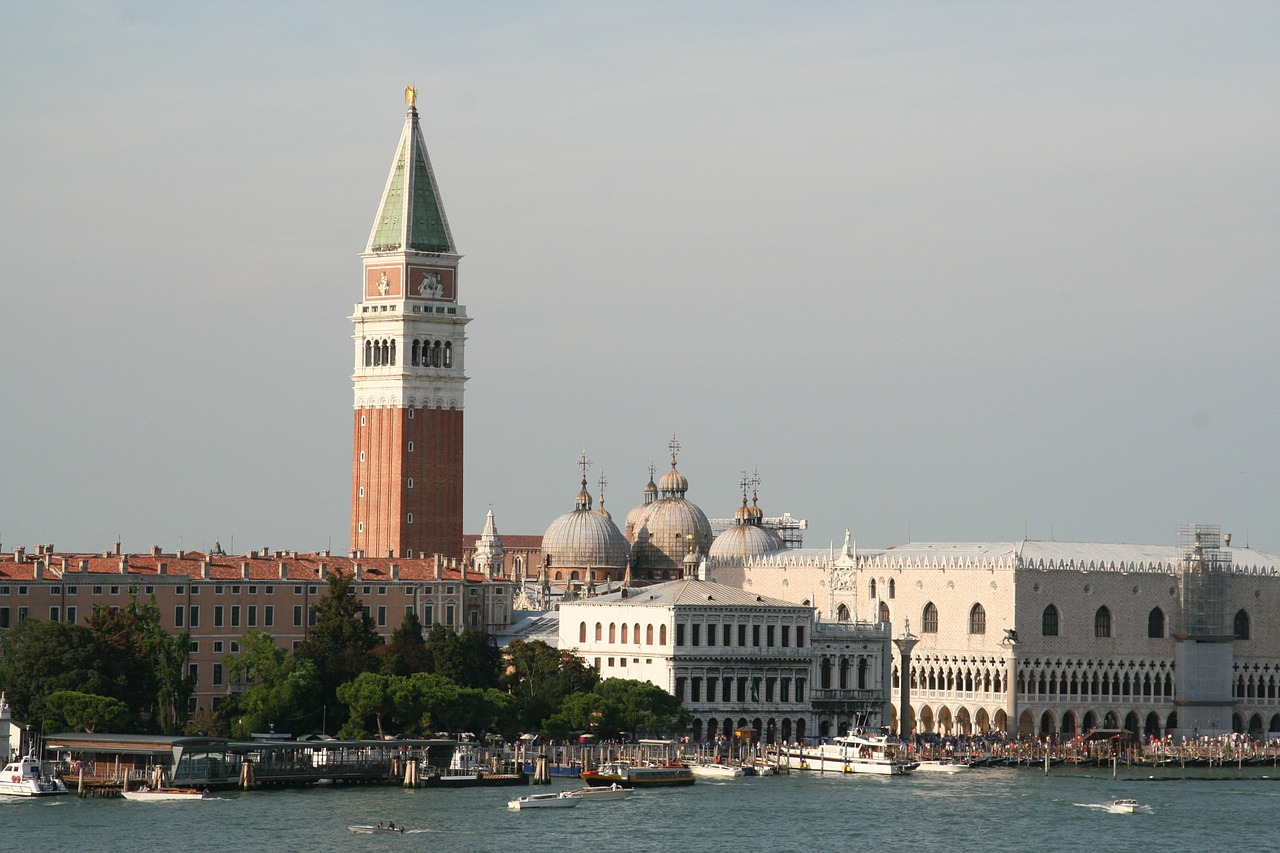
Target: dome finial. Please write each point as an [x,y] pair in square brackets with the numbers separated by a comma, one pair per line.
[411,96]
[674,447]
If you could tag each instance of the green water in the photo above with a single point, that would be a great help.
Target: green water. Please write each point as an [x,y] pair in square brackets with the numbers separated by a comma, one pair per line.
[990,810]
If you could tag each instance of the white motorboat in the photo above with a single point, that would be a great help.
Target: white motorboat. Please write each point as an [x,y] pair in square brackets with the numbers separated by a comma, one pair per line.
[943,765]
[716,771]
[156,795]
[562,800]
[860,751]
[28,777]
[1128,805]
[612,792]
[373,829]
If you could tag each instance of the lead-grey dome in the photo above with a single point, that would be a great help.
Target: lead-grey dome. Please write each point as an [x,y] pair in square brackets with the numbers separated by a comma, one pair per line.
[582,539]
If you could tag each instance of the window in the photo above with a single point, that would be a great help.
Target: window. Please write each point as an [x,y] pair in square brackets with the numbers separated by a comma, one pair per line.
[217,616]
[727,637]
[235,616]
[679,633]
[253,616]
[409,482]
[1241,625]
[768,634]
[1049,622]
[884,613]
[977,620]
[742,635]
[194,614]
[755,635]
[428,615]
[54,613]
[697,634]
[217,647]
[582,632]
[297,615]
[235,589]
[1102,623]
[786,635]
[194,648]
[4,617]
[872,588]
[891,587]
[411,443]
[408,518]
[1155,623]
[929,620]
[71,614]
[178,614]
[448,615]
[269,615]
[799,636]
[382,615]
[193,670]
[662,635]
[217,674]
[97,590]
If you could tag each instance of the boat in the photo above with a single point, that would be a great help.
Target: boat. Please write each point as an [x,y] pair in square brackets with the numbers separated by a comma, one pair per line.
[941,765]
[562,800]
[634,776]
[717,771]
[28,777]
[369,829]
[148,794]
[613,792]
[860,751]
[1128,805]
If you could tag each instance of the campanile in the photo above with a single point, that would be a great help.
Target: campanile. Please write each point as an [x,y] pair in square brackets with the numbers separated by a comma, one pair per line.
[410,331]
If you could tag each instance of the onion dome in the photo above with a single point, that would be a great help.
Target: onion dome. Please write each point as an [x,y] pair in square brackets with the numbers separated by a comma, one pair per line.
[633,517]
[669,529]
[746,537]
[582,538]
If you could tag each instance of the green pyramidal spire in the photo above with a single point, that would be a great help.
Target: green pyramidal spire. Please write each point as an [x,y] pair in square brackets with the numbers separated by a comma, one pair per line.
[411,216]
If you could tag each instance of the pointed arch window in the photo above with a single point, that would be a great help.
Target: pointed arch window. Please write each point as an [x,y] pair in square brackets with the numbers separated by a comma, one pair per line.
[1155,623]
[1102,622]
[884,612]
[1241,625]
[977,620]
[891,587]
[929,619]
[873,588]
[1049,622]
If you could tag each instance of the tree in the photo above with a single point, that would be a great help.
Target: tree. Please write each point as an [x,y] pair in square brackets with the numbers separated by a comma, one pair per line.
[340,645]
[469,659]
[369,694]
[86,712]
[40,658]
[539,677]
[284,693]
[143,662]
[619,706]
[405,653]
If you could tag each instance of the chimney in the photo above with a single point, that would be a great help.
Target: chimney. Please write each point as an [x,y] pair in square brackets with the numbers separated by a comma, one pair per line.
[84,567]
[1226,538]
[390,554]
[395,571]
[19,554]
[155,550]
[325,553]
[37,572]
[124,564]
[359,572]
[180,553]
[206,568]
[322,573]
[284,571]
[435,567]
[264,553]
[65,563]
[244,570]
[117,549]
[163,569]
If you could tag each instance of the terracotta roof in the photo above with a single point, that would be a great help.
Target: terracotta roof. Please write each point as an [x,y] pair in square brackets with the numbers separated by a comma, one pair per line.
[290,566]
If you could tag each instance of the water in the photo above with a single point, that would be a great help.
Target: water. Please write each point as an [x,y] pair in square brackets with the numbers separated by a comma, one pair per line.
[990,810]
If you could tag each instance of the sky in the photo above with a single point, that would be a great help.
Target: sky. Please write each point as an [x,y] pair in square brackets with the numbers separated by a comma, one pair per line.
[936,271]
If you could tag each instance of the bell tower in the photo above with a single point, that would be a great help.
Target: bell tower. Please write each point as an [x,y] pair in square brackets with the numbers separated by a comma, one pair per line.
[410,332]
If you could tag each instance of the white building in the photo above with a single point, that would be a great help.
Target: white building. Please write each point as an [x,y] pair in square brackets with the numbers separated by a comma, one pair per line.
[735,660]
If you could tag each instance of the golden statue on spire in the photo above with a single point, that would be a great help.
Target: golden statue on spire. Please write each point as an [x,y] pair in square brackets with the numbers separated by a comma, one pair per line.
[410,96]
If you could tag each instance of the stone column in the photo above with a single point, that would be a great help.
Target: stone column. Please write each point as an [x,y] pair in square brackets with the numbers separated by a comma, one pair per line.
[905,642]
[1011,683]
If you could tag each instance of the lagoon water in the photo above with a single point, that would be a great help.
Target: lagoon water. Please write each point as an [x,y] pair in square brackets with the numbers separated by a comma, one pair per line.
[989,810]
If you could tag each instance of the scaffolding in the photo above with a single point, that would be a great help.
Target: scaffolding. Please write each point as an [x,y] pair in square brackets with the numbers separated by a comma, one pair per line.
[1206,572]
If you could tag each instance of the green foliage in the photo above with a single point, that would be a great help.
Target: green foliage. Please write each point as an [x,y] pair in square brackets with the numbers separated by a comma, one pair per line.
[406,652]
[369,693]
[340,645]
[540,677]
[39,658]
[619,707]
[285,690]
[469,659]
[86,712]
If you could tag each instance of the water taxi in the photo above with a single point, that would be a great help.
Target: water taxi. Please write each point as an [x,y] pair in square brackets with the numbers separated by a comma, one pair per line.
[28,777]
[613,792]
[562,800]
[155,795]
[860,751]
[633,776]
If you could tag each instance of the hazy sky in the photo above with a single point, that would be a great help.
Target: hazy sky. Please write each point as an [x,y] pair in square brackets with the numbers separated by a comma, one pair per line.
[938,271]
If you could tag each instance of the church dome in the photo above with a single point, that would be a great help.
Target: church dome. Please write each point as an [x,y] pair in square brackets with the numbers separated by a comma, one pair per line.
[633,517]
[745,540]
[584,538]
[670,529]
